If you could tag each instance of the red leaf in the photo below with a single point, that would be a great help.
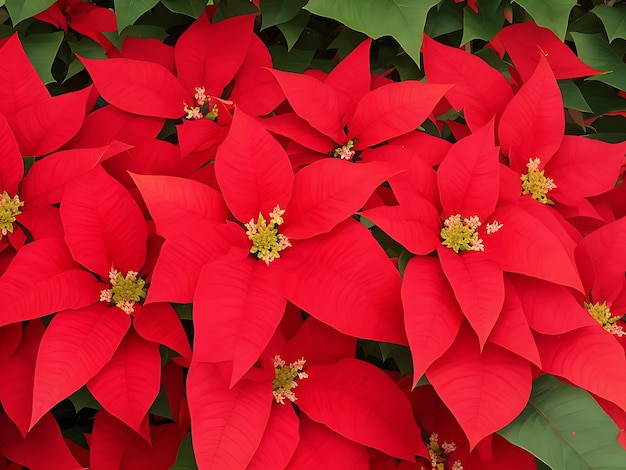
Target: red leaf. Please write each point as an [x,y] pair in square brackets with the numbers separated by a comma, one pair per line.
[312,333]
[148,49]
[47,125]
[532,124]
[20,85]
[480,89]
[485,391]
[138,86]
[104,227]
[42,449]
[393,110]
[590,358]
[236,312]
[329,191]
[129,383]
[43,279]
[361,403]
[11,163]
[227,424]
[431,314]
[199,63]
[521,42]
[297,129]
[279,440]
[319,447]
[429,148]
[469,176]
[160,324]
[354,274]
[171,199]
[252,169]
[478,286]
[75,347]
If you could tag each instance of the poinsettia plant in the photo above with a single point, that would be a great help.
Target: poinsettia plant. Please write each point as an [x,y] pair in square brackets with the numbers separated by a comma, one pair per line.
[279,234]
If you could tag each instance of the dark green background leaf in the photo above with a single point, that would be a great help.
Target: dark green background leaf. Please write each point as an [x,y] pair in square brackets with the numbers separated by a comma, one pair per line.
[41,50]
[614,20]
[551,14]
[22,9]
[128,11]
[595,51]
[279,11]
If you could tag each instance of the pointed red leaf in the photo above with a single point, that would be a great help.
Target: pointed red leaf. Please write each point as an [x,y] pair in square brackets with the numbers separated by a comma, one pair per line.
[431,314]
[354,274]
[533,123]
[149,49]
[227,424]
[415,225]
[429,148]
[43,279]
[199,63]
[75,347]
[138,87]
[236,312]
[297,129]
[315,102]
[104,227]
[327,192]
[469,176]
[485,391]
[319,447]
[20,85]
[479,89]
[160,324]
[279,440]
[11,163]
[252,169]
[360,402]
[393,110]
[590,358]
[129,383]
[521,42]
[478,286]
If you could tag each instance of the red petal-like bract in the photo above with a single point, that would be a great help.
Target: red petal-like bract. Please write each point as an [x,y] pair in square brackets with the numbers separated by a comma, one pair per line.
[159,323]
[75,347]
[11,163]
[329,191]
[469,176]
[227,424]
[253,170]
[43,447]
[360,402]
[484,390]
[393,110]
[320,447]
[522,41]
[104,227]
[345,280]
[280,439]
[237,307]
[431,314]
[479,89]
[43,279]
[139,87]
[532,124]
[128,384]
[306,343]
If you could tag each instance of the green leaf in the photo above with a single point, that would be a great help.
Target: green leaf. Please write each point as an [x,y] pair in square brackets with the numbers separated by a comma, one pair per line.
[184,311]
[295,60]
[279,11]
[401,355]
[602,98]
[599,54]
[572,97]
[84,47]
[83,398]
[161,406]
[41,50]
[485,24]
[19,10]
[230,8]
[403,20]
[193,8]
[346,42]
[186,459]
[565,428]
[137,31]
[446,18]
[293,28]
[614,20]
[129,11]
[551,14]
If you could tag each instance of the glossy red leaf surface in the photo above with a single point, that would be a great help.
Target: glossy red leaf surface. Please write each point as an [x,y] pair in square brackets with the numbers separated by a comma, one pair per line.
[11,163]
[159,323]
[279,440]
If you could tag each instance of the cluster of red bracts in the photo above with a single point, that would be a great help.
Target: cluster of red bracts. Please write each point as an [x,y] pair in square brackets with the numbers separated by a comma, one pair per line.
[255,216]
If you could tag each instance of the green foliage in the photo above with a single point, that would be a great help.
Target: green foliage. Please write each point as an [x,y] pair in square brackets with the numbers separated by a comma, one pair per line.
[192,8]
[186,459]
[292,29]
[572,96]
[279,11]
[551,14]
[41,50]
[128,11]
[485,24]
[19,10]
[565,428]
[614,20]
[596,52]
[404,21]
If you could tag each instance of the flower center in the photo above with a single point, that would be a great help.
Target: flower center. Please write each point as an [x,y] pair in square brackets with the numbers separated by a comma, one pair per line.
[125,291]
[203,106]
[461,235]
[536,183]
[9,208]
[266,241]
[602,314]
[345,152]
[439,453]
[285,379]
